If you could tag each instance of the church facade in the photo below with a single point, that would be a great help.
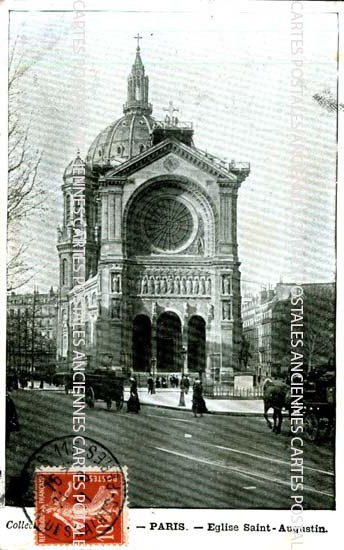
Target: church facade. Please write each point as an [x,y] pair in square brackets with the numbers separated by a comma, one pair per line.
[148,247]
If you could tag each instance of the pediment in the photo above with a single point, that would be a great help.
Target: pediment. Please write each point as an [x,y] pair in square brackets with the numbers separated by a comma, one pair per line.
[179,150]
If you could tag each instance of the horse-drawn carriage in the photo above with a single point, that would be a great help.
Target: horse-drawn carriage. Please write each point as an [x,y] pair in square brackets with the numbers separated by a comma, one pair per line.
[319,406]
[318,403]
[100,384]
[105,385]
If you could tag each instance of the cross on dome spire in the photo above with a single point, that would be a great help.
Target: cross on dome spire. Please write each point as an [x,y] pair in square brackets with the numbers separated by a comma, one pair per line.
[138,38]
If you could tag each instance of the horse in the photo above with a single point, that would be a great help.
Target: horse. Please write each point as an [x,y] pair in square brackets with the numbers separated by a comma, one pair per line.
[276,395]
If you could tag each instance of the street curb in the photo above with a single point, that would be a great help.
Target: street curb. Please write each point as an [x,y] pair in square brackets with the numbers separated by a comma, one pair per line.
[177,408]
[223,413]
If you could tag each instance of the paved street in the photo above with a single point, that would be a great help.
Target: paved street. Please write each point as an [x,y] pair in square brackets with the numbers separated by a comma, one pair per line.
[176,460]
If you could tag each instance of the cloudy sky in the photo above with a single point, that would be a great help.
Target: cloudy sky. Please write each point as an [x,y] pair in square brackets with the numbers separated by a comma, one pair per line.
[232,76]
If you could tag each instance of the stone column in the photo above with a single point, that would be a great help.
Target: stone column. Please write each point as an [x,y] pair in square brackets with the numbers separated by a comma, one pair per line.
[111,216]
[184,348]
[153,367]
[226,218]
[117,190]
[104,196]
[118,216]
[234,203]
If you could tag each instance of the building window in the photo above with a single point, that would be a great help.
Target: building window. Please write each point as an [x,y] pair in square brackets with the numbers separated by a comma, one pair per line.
[64,272]
[67,208]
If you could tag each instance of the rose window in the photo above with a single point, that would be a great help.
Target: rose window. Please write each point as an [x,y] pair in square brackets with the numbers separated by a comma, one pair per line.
[168,224]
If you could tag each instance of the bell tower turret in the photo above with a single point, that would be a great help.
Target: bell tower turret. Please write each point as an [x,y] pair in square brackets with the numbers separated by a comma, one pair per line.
[138,84]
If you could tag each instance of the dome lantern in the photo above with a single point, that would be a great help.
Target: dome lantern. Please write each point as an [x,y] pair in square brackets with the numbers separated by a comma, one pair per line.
[131,134]
[138,83]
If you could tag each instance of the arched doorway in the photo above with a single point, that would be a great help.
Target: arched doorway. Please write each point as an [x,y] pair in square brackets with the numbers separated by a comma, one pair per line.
[196,344]
[141,343]
[169,343]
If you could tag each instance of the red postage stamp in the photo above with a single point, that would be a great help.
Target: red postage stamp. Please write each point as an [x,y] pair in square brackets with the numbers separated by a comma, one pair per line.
[78,507]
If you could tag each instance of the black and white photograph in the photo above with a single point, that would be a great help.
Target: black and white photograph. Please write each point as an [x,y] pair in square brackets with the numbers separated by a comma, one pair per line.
[170,305]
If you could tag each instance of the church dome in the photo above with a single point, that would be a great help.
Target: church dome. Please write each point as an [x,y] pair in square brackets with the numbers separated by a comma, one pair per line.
[76,167]
[123,139]
[131,134]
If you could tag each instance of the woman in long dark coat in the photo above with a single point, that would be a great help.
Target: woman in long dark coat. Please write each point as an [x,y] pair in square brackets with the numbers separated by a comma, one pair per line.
[12,424]
[133,403]
[198,403]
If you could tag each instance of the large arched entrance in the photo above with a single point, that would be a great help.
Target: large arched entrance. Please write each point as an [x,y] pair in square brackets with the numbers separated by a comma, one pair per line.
[196,344]
[169,343]
[141,343]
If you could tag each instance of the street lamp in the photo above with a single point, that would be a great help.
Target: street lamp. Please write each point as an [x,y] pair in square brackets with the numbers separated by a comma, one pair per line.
[153,367]
[183,353]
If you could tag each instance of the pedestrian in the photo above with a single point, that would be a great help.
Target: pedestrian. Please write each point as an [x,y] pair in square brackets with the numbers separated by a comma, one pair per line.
[150,384]
[133,403]
[23,381]
[12,424]
[158,382]
[163,382]
[198,403]
[186,384]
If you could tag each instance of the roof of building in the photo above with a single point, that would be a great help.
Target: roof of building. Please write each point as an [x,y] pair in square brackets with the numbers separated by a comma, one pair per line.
[122,140]
[76,167]
[131,134]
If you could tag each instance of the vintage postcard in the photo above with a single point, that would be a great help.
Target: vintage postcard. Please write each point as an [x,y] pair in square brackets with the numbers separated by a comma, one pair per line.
[171,301]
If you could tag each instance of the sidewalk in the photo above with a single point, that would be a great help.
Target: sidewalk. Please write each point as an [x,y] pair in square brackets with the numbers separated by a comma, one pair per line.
[169,399]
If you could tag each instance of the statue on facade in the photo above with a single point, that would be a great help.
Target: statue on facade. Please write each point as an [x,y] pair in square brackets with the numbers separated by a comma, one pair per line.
[116,282]
[163,285]
[183,286]
[195,286]
[151,285]
[200,246]
[210,311]
[116,309]
[226,287]
[226,310]
[202,285]
[170,285]
[144,286]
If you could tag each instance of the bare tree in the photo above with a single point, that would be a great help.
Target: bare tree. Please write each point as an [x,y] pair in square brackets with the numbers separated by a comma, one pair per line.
[25,192]
[319,331]
[328,101]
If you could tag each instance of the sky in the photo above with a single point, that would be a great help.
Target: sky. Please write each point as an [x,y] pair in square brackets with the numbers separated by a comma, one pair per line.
[236,78]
